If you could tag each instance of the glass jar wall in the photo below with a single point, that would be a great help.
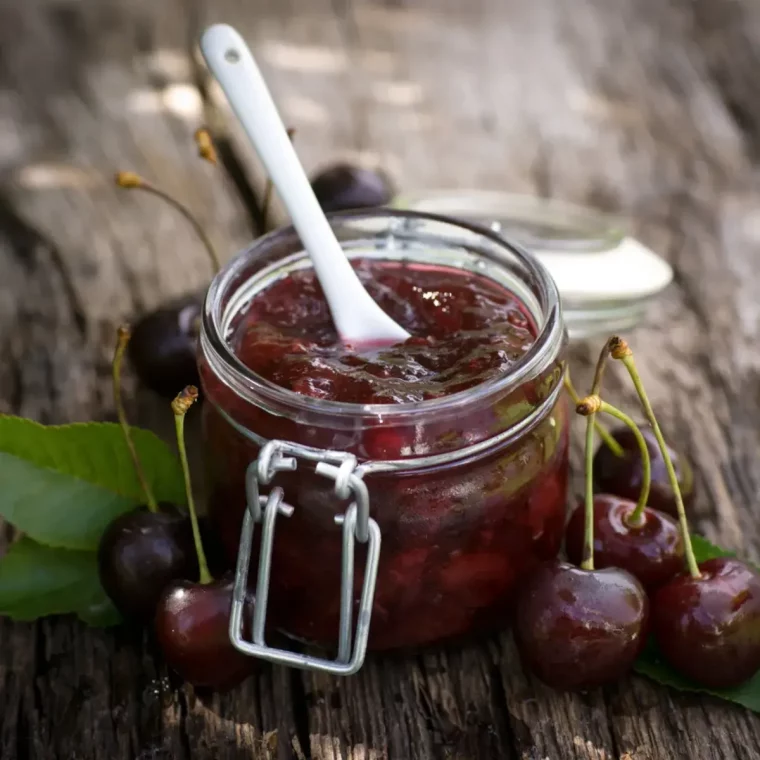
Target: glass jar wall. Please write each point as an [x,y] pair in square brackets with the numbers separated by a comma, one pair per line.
[467,486]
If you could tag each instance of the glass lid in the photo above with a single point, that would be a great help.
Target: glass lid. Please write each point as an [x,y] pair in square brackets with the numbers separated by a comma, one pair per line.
[536,223]
[607,279]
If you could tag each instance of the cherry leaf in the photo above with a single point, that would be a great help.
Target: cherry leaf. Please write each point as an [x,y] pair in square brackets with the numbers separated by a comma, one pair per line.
[653,665]
[37,581]
[61,485]
[99,612]
[704,549]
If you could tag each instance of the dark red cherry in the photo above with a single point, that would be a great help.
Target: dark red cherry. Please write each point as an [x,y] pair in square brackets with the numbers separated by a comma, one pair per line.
[163,346]
[652,551]
[622,475]
[342,187]
[192,629]
[578,629]
[140,553]
[708,628]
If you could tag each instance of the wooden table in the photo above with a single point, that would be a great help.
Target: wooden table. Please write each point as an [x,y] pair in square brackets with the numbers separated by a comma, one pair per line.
[648,107]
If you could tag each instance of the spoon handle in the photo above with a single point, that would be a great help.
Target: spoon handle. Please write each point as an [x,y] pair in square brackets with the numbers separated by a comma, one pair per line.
[357,317]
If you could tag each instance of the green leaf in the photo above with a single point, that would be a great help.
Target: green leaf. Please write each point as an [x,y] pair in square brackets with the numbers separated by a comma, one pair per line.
[37,581]
[704,550]
[61,485]
[652,664]
[100,612]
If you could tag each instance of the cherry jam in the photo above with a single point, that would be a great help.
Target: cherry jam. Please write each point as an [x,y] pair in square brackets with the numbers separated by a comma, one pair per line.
[465,330]
[475,495]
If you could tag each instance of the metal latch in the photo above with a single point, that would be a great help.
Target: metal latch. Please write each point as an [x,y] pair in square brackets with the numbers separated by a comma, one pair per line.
[356,525]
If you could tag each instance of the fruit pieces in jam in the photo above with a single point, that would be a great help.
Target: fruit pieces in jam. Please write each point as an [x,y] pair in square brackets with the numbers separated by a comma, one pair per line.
[458,537]
[465,330]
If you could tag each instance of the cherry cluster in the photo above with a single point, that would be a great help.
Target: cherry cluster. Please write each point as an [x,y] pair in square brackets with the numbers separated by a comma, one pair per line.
[153,566]
[632,571]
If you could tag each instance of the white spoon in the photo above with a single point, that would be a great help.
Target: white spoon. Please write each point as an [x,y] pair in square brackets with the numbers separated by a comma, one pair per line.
[358,319]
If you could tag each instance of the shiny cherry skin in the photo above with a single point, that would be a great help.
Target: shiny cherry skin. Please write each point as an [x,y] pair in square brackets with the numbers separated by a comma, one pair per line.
[578,629]
[140,553]
[708,628]
[622,476]
[192,629]
[163,346]
[652,551]
[342,187]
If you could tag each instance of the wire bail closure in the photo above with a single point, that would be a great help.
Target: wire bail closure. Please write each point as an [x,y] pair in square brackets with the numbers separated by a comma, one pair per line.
[356,525]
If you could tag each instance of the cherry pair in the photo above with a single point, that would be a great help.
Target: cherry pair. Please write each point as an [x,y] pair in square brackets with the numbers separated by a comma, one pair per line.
[148,560]
[578,627]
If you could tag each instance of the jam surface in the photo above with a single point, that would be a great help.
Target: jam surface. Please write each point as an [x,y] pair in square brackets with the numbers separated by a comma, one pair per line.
[465,330]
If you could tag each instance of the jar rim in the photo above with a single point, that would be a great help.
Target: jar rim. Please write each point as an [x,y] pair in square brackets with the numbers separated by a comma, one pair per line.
[547,343]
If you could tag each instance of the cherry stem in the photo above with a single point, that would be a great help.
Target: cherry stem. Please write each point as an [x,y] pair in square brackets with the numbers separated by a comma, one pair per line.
[587,563]
[596,385]
[205,143]
[635,518]
[123,336]
[266,205]
[266,202]
[603,433]
[132,181]
[621,350]
[180,405]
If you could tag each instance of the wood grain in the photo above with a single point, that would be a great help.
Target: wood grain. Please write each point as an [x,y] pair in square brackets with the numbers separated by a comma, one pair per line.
[642,107]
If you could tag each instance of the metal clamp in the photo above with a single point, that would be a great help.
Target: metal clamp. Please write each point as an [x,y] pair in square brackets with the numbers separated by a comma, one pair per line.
[356,524]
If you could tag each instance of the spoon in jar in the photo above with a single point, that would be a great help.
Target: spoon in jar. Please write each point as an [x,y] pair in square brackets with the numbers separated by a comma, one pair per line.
[357,318]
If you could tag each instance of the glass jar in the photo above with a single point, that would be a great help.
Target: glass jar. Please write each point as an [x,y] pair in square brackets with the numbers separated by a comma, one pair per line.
[465,493]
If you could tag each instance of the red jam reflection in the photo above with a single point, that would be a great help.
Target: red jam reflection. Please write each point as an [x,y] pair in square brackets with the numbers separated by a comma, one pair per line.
[457,537]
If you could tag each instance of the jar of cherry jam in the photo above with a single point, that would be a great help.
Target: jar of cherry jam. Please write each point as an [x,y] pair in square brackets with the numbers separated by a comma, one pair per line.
[394,497]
